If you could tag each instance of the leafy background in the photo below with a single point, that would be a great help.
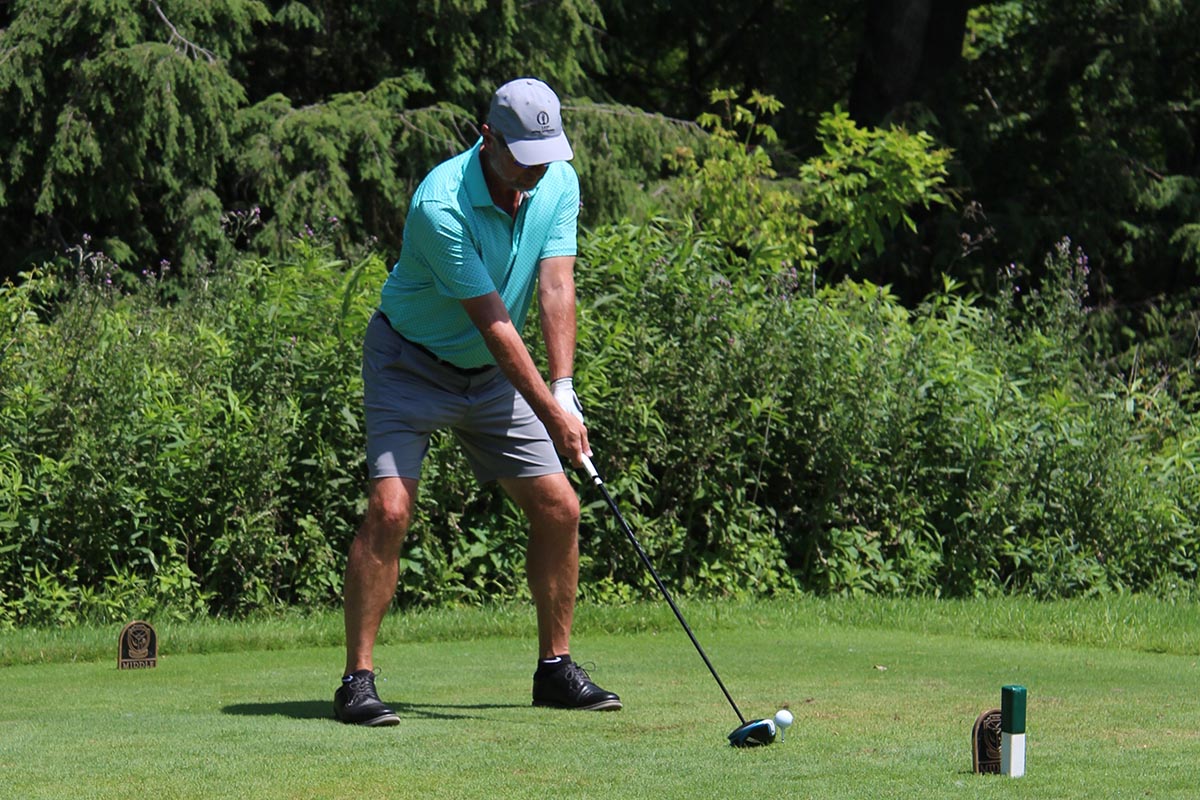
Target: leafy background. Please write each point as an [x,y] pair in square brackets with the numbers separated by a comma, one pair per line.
[832,340]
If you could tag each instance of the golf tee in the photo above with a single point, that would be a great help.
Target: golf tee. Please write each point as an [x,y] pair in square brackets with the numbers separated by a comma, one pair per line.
[1012,731]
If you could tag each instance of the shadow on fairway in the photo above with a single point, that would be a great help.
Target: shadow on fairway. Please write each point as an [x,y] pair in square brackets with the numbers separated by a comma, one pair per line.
[297,709]
[323,709]
[429,711]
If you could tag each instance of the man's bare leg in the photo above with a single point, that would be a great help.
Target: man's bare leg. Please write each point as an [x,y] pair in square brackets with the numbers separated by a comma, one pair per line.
[372,570]
[552,567]
[373,566]
[552,557]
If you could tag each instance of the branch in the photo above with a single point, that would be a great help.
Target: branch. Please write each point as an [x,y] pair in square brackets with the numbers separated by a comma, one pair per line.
[407,116]
[625,111]
[189,47]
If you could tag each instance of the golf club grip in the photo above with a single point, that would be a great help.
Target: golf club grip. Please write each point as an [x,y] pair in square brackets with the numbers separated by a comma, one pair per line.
[612,504]
[590,468]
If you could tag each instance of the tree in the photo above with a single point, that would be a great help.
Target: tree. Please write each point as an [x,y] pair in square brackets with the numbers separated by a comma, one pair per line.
[669,56]
[911,50]
[116,122]
[1082,118]
[462,49]
[145,123]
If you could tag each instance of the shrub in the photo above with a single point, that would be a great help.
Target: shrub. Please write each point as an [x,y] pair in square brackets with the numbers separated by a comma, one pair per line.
[194,446]
[950,449]
[199,450]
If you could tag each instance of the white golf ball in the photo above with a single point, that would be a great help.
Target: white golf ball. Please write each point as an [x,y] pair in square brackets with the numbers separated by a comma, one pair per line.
[783,718]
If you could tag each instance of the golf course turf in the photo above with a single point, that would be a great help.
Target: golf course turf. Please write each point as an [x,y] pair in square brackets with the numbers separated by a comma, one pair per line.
[882,710]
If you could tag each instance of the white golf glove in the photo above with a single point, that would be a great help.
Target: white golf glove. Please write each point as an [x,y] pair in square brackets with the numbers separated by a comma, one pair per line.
[563,390]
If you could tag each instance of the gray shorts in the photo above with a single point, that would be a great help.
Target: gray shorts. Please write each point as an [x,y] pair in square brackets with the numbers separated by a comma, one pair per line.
[408,394]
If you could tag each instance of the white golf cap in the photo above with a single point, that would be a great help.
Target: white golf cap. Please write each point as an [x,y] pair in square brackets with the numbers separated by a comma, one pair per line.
[527,114]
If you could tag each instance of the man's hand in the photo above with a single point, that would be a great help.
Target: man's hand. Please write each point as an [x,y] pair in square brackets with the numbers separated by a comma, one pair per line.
[563,390]
[569,435]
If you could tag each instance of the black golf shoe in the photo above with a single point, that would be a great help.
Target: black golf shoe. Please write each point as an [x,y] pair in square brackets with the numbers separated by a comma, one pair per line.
[357,703]
[570,686]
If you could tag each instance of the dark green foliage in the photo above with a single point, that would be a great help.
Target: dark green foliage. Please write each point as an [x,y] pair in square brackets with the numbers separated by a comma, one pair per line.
[950,450]
[116,124]
[1093,109]
[624,157]
[141,123]
[763,431]
[669,55]
[464,49]
[353,161]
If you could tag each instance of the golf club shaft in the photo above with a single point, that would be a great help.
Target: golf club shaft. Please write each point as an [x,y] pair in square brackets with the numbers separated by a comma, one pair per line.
[595,476]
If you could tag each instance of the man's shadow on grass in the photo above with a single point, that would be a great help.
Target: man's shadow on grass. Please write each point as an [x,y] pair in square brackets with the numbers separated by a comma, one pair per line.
[323,709]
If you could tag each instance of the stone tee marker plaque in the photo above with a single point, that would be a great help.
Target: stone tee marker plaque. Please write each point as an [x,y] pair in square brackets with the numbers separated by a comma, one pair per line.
[137,647]
[985,743]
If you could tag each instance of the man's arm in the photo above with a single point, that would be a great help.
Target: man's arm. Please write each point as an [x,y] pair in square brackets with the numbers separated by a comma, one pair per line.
[505,344]
[556,304]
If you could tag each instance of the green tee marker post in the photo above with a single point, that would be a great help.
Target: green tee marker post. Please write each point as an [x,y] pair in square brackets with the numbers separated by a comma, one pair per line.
[1012,731]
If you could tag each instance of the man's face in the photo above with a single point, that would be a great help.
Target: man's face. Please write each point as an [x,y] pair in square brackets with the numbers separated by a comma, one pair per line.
[511,173]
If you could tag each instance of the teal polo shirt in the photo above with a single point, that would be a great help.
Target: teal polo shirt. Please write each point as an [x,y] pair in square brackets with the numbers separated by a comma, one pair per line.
[459,245]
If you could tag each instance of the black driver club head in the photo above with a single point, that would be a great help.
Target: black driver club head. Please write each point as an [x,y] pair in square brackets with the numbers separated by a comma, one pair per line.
[754,733]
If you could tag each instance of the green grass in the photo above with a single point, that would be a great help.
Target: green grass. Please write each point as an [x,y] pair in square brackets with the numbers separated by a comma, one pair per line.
[884,694]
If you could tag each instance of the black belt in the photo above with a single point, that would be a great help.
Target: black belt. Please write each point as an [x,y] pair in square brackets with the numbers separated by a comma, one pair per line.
[434,356]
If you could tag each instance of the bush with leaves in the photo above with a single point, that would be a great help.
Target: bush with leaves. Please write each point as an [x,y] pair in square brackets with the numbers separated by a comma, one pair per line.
[668,369]
[953,449]
[866,183]
[203,449]
[201,452]
[204,454]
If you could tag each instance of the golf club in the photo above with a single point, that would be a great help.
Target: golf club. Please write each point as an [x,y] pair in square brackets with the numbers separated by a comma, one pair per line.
[748,734]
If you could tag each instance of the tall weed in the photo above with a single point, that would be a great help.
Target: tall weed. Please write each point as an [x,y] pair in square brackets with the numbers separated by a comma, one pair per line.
[189,446]
[198,450]
[953,449]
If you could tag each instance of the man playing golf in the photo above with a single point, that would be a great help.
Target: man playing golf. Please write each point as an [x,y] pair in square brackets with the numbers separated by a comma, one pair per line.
[445,350]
